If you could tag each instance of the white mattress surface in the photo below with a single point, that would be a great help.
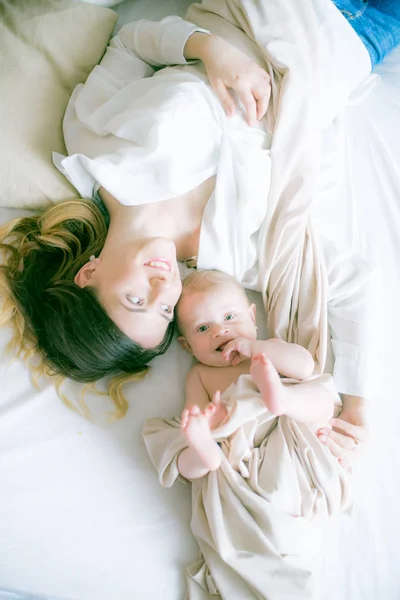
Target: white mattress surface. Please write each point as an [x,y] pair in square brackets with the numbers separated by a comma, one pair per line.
[82,515]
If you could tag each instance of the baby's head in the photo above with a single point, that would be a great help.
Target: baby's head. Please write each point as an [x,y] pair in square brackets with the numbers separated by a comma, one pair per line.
[212,310]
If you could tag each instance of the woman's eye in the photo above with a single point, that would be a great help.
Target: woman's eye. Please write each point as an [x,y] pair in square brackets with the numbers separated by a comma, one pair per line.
[202,328]
[167,309]
[229,316]
[135,300]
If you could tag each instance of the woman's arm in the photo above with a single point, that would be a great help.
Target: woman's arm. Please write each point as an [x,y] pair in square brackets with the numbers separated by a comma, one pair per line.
[156,43]
[131,56]
[351,318]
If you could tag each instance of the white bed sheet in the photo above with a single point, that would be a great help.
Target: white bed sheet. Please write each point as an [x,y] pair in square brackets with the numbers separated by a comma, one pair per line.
[82,515]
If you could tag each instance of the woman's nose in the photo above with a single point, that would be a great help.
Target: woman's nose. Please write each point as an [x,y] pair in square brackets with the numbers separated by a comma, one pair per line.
[158,284]
[158,280]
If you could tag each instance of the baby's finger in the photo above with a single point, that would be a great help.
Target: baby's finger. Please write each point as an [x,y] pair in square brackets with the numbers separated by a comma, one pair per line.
[225,98]
[229,348]
[184,417]
[217,398]
[237,359]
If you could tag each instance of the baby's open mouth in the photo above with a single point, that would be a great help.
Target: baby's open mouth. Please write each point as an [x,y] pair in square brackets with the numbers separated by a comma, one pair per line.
[222,346]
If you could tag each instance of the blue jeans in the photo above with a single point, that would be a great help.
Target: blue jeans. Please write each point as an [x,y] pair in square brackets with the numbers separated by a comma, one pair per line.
[376,22]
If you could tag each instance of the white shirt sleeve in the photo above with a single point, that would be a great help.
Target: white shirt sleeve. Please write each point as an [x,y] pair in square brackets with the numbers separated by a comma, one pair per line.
[142,45]
[131,56]
[157,43]
[350,316]
[112,119]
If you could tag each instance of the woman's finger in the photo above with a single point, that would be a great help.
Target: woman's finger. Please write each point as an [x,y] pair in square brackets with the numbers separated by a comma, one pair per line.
[344,441]
[345,464]
[262,102]
[355,431]
[338,451]
[225,98]
[250,106]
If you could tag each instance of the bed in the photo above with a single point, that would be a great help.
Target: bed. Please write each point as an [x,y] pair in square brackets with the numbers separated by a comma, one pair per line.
[82,515]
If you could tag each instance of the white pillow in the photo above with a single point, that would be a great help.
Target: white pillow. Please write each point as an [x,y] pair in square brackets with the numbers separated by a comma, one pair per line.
[46,49]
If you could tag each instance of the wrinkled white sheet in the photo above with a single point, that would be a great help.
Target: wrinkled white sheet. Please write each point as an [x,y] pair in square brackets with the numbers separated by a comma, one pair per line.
[82,515]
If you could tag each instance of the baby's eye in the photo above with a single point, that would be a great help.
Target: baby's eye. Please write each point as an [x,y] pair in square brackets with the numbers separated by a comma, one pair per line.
[229,316]
[202,328]
[135,300]
[167,309]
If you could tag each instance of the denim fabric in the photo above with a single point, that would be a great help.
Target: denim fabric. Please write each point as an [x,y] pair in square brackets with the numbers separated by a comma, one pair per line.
[376,22]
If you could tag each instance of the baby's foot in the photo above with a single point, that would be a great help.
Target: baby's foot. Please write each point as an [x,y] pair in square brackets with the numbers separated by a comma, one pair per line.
[267,379]
[195,424]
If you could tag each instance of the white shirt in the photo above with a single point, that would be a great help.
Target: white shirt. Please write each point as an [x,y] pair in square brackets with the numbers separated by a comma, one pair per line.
[148,135]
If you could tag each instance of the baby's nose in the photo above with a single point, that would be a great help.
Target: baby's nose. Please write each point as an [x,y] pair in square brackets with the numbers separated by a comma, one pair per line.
[220,330]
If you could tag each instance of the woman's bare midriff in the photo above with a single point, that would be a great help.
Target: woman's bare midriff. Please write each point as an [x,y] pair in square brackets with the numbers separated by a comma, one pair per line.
[178,219]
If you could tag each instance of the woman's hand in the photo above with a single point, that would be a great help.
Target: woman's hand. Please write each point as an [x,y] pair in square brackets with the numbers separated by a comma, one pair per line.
[228,68]
[349,433]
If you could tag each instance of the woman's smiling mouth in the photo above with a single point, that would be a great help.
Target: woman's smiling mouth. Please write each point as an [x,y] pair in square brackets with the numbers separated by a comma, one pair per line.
[159,263]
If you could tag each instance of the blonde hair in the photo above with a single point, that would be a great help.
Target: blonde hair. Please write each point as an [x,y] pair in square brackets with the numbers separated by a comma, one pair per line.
[41,303]
[201,280]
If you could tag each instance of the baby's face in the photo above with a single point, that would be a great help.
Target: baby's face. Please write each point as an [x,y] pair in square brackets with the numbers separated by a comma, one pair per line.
[211,318]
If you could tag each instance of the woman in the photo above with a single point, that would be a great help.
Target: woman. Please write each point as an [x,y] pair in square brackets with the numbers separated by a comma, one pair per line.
[99,301]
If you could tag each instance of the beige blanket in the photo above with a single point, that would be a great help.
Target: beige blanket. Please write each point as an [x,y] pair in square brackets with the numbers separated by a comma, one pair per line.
[257,518]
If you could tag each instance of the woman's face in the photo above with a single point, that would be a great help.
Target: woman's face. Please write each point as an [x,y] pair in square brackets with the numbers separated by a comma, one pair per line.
[139,288]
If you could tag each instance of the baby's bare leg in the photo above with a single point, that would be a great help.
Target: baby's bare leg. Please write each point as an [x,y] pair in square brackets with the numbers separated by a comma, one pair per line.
[195,425]
[303,402]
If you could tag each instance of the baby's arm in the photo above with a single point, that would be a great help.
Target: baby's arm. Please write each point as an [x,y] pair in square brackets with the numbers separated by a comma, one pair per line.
[290,360]
[203,454]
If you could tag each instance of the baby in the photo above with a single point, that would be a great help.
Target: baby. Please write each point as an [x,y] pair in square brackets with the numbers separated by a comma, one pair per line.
[261,486]
[218,327]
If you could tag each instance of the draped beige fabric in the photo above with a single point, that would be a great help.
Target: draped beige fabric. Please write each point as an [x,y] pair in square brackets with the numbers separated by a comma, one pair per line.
[284,37]
[257,518]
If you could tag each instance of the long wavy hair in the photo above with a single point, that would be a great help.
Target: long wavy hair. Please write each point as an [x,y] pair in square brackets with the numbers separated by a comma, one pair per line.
[52,316]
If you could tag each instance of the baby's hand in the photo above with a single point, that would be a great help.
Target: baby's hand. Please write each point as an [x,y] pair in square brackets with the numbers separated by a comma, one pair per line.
[218,412]
[237,350]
